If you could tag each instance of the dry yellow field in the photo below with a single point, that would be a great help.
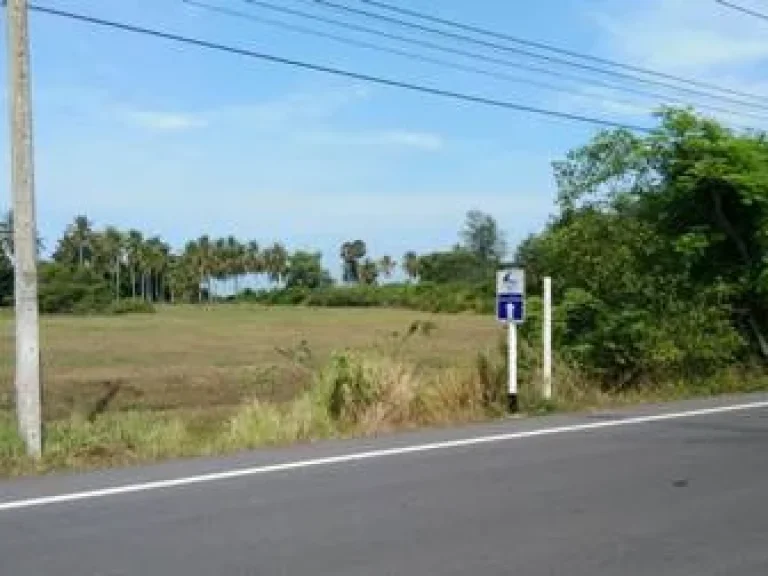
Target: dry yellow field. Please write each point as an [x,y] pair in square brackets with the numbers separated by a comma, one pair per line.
[188,357]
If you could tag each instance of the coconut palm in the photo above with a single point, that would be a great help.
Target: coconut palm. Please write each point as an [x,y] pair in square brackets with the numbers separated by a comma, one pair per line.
[276,262]
[82,236]
[386,266]
[110,247]
[411,264]
[133,246]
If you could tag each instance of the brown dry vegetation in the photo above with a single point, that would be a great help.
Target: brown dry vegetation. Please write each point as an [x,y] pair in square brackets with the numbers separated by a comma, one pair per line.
[187,357]
[186,382]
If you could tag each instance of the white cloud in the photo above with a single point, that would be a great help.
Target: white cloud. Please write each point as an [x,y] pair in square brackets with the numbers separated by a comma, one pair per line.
[683,35]
[699,40]
[407,139]
[167,121]
[420,140]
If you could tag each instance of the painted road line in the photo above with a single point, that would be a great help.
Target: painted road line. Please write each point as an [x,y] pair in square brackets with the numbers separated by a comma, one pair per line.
[369,455]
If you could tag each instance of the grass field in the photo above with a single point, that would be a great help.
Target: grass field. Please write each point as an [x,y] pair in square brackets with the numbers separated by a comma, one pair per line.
[187,381]
[187,357]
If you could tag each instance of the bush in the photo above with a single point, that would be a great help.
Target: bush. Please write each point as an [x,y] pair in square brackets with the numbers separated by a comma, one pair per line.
[72,290]
[132,306]
[629,344]
[424,296]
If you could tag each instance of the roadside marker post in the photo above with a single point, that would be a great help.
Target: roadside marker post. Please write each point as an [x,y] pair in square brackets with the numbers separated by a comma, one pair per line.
[546,334]
[510,310]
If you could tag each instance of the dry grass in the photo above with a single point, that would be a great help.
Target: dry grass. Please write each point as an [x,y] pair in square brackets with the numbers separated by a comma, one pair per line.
[199,365]
[188,358]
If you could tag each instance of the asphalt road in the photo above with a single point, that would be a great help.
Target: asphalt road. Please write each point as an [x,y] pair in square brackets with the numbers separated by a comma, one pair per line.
[578,496]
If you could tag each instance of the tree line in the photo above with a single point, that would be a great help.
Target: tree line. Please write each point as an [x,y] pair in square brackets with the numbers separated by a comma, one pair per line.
[124,264]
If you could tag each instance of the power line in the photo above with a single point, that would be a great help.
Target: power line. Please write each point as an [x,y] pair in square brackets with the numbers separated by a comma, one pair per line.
[377,47]
[555,49]
[500,47]
[498,75]
[482,57]
[743,9]
[476,99]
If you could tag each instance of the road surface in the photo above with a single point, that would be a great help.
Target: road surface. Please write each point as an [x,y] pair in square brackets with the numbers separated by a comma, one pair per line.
[674,490]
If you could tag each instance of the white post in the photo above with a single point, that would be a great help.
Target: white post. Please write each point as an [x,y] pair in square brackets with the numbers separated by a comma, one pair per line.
[547,338]
[25,230]
[512,384]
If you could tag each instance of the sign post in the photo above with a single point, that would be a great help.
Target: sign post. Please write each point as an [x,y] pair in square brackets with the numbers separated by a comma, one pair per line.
[510,310]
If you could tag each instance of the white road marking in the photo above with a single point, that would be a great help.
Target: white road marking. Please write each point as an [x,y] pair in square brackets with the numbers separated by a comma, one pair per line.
[369,455]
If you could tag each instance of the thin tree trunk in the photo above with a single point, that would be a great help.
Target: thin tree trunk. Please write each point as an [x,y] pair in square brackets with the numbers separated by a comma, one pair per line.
[133,282]
[117,281]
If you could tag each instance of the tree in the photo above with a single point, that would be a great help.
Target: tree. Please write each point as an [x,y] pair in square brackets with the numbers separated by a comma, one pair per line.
[6,278]
[133,247]
[386,266]
[411,265]
[305,270]
[369,272]
[110,246]
[351,254]
[482,237]
[662,245]
[275,262]
[6,234]
[454,266]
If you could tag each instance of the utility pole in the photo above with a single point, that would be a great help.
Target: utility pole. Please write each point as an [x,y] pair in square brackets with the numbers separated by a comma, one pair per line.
[28,393]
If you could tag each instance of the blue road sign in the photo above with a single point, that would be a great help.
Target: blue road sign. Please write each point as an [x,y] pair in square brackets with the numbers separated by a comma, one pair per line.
[510,295]
[510,308]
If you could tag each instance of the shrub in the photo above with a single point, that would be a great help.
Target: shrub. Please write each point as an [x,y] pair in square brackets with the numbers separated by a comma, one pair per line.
[64,289]
[132,306]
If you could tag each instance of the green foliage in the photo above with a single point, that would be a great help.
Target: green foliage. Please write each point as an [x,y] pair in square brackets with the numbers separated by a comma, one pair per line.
[6,279]
[64,289]
[131,306]
[351,254]
[305,271]
[424,296]
[349,388]
[454,266]
[483,238]
[658,252]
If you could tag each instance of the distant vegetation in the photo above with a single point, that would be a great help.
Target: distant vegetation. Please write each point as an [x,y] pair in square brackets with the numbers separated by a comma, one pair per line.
[658,253]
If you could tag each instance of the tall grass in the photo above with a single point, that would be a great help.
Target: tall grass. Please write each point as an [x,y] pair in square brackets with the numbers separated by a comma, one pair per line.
[355,394]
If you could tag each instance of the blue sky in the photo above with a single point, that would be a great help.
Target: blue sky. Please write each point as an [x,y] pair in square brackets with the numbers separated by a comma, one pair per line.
[176,141]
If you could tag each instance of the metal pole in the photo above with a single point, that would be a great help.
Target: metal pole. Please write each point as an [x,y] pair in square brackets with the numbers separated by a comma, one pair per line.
[547,339]
[28,395]
[512,345]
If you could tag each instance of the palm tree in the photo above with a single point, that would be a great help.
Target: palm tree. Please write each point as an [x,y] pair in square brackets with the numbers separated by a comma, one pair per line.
[81,233]
[253,259]
[206,261]
[351,253]
[133,244]
[411,264]
[369,272]
[276,262]
[155,258]
[386,266]
[111,245]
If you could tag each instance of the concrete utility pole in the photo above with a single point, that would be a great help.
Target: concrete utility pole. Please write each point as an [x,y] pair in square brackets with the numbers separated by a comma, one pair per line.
[28,393]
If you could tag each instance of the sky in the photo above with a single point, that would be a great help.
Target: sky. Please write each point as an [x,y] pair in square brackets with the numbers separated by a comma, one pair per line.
[177,141]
